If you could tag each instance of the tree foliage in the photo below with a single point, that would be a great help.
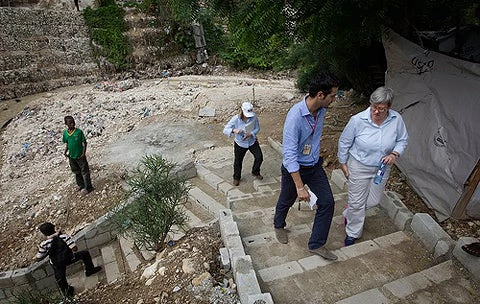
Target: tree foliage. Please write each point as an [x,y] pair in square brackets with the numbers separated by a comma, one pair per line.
[342,36]
[107,25]
[157,202]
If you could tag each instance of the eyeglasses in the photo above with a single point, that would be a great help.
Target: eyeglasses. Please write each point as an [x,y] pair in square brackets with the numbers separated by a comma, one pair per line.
[379,109]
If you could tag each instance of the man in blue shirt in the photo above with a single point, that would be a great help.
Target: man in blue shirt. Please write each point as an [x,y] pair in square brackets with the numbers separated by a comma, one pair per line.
[302,164]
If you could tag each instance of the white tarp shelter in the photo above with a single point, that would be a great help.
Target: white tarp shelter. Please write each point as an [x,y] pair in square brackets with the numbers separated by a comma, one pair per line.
[439,99]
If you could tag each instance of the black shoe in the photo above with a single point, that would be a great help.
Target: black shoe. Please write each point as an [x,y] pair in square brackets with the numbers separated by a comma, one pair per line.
[236,182]
[69,293]
[93,271]
[258,176]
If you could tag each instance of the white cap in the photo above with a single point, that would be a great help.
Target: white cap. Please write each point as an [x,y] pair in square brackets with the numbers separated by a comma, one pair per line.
[247,109]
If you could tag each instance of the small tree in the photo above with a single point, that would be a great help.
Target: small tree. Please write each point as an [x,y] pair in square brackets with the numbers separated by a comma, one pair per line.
[157,196]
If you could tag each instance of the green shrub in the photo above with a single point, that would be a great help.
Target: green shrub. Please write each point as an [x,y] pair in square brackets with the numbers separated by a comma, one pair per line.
[107,26]
[157,198]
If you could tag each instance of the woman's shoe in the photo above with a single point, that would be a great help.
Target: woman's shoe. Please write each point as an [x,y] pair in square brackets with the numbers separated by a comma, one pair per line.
[349,240]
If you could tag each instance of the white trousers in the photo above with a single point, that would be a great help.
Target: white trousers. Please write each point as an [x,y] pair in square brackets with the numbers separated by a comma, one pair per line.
[362,195]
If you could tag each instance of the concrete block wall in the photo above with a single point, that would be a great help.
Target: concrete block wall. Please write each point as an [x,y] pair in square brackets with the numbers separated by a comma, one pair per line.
[41,50]
[39,275]
[240,263]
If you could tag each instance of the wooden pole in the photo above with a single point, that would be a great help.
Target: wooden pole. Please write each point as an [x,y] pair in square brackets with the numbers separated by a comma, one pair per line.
[468,190]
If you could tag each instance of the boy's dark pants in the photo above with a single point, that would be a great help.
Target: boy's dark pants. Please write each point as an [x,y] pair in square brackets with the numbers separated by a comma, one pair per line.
[61,270]
[240,152]
[81,170]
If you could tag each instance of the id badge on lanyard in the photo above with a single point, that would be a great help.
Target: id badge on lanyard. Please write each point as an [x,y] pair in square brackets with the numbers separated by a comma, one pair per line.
[307,148]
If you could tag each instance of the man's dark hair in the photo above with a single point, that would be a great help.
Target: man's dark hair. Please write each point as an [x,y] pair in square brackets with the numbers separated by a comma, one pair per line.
[47,228]
[68,117]
[324,82]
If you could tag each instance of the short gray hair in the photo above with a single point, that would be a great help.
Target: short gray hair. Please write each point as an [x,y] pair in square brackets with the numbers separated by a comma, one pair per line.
[382,95]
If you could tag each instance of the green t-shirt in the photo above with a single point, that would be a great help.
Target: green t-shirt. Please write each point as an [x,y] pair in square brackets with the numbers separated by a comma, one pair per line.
[74,142]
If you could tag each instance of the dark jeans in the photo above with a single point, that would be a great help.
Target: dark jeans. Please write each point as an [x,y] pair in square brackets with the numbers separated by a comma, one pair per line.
[240,154]
[60,271]
[81,170]
[317,181]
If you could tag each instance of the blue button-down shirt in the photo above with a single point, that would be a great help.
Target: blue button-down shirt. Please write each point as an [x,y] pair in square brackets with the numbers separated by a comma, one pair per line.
[369,143]
[237,123]
[301,129]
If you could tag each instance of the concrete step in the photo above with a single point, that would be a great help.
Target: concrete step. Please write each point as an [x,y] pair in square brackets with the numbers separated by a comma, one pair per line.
[388,265]
[261,244]
[205,201]
[442,283]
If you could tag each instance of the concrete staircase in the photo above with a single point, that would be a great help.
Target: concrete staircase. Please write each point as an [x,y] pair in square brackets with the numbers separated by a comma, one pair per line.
[401,258]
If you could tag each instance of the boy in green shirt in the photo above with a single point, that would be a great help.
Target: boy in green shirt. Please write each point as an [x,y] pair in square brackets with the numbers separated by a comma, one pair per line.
[75,150]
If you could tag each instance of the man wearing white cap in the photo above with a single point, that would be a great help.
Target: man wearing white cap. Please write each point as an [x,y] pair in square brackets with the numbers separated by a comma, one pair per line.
[245,126]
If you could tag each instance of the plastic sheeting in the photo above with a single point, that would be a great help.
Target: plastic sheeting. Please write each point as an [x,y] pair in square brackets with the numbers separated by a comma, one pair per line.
[439,99]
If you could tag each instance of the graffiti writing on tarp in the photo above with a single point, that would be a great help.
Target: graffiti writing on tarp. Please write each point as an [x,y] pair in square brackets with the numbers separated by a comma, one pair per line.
[439,140]
[422,64]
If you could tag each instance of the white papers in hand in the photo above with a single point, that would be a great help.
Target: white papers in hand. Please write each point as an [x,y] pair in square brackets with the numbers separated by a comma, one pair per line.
[313,199]
[249,127]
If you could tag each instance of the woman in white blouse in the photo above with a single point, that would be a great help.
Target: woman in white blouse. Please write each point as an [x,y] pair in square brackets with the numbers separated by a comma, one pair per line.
[375,135]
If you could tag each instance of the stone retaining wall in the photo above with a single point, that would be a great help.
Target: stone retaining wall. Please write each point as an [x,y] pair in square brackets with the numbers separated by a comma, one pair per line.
[41,50]
[39,275]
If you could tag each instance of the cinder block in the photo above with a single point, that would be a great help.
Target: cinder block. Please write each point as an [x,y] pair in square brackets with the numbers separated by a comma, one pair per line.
[247,284]
[21,276]
[38,273]
[264,298]
[242,264]
[202,172]
[5,279]
[91,232]
[406,286]
[428,230]
[108,254]
[213,180]
[225,258]
[280,271]
[99,240]
[235,253]
[443,249]
[233,242]
[403,219]
[338,178]
[112,271]
[225,187]
[81,243]
[229,229]
[46,283]
[205,201]
[386,202]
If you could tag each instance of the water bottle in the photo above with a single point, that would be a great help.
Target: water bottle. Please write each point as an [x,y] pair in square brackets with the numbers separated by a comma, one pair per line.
[380,172]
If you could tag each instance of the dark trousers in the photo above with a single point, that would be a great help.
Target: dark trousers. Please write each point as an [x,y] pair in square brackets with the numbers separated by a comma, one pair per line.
[317,181]
[81,170]
[60,271]
[240,152]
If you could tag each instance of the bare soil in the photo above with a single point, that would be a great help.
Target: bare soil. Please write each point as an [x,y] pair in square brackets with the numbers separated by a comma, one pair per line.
[37,184]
